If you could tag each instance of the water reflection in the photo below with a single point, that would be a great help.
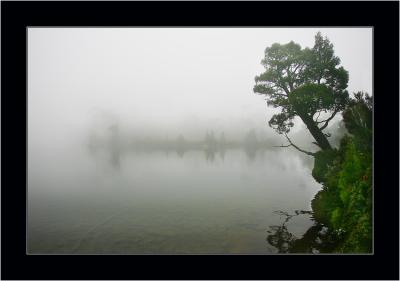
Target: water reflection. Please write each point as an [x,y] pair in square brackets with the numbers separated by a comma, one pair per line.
[222,153]
[317,239]
[111,141]
[114,148]
[209,154]
[208,199]
[251,153]
[115,158]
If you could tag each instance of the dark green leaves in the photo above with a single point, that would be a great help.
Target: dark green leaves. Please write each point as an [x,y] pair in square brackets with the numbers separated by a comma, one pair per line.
[302,81]
[358,119]
[281,122]
[310,98]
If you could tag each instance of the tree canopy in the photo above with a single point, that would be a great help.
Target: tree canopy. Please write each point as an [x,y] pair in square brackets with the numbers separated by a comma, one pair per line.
[304,83]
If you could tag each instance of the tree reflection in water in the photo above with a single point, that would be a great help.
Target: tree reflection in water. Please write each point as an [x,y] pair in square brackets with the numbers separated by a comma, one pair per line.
[317,239]
[114,146]
[210,154]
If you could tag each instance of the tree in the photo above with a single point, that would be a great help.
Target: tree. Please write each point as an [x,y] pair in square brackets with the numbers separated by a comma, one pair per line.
[304,83]
[357,118]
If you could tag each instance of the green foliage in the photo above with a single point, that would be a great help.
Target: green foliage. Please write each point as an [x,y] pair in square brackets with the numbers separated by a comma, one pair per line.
[324,203]
[345,203]
[323,160]
[336,217]
[308,82]
[358,120]
[311,98]
[303,82]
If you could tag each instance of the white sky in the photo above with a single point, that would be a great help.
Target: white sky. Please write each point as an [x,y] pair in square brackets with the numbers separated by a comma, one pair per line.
[166,79]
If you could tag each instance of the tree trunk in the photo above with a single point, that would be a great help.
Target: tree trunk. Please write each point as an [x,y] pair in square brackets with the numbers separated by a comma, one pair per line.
[318,135]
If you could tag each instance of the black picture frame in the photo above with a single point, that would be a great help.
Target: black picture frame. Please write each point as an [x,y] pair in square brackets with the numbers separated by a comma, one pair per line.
[382,16]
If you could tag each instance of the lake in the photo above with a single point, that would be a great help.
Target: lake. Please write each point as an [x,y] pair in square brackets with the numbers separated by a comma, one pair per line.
[164,202]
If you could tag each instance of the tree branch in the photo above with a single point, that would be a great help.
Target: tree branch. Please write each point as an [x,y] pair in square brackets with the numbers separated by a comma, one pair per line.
[319,113]
[295,146]
[280,95]
[327,120]
[290,82]
[282,145]
[300,64]
[314,142]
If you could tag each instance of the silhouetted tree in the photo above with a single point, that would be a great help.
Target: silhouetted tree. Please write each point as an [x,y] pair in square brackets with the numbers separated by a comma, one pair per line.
[304,83]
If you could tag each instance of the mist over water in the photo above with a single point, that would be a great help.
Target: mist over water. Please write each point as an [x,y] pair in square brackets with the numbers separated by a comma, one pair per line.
[116,200]
[151,141]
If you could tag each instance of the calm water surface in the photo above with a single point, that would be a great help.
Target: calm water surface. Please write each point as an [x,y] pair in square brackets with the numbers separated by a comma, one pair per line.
[99,202]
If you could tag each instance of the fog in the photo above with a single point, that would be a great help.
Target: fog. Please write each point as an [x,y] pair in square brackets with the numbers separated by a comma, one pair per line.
[164,81]
[172,88]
